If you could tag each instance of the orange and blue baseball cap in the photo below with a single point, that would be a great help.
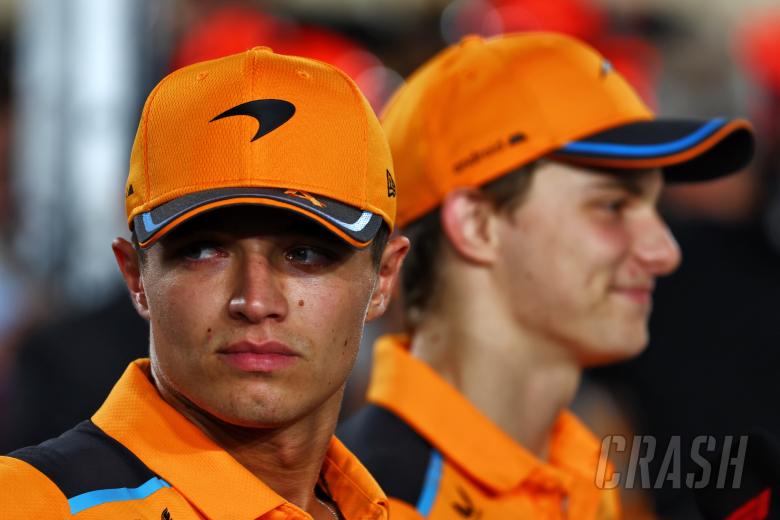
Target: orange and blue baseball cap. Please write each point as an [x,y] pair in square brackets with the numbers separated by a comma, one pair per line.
[484,107]
[260,128]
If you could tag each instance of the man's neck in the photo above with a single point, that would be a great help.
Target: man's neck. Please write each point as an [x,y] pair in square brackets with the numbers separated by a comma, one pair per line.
[288,459]
[520,382]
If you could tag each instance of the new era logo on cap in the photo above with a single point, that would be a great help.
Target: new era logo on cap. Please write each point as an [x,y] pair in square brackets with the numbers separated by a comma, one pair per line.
[390,184]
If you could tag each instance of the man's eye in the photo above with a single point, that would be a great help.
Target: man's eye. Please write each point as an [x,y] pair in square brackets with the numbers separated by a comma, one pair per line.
[614,205]
[307,256]
[201,251]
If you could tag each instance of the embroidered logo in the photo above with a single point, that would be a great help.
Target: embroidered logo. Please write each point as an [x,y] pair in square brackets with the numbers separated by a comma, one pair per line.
[465,507]
[269,113]
[390,185]
[305,196]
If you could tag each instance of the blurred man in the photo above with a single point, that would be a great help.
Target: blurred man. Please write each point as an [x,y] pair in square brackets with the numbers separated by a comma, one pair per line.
[530,173]
[259,204]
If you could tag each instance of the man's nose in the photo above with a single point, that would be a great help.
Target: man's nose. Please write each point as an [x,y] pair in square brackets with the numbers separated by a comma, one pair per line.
[259,291]
[657,248]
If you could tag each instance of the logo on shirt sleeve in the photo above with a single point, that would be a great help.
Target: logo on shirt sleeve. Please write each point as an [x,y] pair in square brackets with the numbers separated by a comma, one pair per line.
[465,506]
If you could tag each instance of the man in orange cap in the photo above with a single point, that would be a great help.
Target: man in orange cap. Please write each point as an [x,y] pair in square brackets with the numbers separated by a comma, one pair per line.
[260,202]
[530,173]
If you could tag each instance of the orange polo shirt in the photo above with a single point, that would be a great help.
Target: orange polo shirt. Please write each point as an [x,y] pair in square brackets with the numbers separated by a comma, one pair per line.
[473,469]
[140,458]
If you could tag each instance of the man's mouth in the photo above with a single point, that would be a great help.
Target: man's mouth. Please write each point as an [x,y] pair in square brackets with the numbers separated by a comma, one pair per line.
[264,356]
[641,294]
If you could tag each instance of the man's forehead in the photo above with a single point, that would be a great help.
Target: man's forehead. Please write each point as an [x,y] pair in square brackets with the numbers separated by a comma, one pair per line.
[636,181]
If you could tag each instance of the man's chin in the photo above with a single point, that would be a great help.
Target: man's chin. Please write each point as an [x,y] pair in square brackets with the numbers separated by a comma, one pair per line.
[256,419]
[616,350]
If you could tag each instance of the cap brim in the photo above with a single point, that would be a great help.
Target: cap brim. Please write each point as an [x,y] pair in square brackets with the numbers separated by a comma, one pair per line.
[686,150]
[355,226]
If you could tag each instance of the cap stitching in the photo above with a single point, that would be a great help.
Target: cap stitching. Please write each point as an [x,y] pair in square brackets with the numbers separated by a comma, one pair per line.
[359,96]
[362,103]
[249,158]
[356,93]
[152,97]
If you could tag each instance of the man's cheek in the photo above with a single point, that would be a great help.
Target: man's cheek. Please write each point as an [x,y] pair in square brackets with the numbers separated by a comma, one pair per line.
[322,314]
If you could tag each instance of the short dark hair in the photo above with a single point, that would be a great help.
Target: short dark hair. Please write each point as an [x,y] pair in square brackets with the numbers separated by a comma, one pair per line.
[418,274]
[377,246]
[141,252]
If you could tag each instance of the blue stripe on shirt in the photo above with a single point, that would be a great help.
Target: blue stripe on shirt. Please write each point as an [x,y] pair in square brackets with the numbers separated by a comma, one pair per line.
[431,484]
[102,496]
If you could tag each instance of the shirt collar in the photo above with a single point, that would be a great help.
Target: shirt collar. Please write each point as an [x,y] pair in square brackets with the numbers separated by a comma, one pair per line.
[173,447]
[415,392]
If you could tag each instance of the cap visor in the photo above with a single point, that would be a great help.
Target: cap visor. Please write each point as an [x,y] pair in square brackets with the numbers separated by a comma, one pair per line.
[686,150]
[355,226]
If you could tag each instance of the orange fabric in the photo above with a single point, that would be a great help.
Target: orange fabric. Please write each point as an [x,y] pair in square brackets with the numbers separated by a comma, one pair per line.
[206,482]
[500,478]
[26,493]
[332,145]
[483,107]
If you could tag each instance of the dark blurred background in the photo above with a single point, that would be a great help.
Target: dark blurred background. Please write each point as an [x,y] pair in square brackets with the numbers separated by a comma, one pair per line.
[73,77]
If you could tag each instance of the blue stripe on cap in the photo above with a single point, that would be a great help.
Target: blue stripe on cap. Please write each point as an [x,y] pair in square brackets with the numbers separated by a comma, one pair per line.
[431,484]
[102,496]
[645,150]
[150,225]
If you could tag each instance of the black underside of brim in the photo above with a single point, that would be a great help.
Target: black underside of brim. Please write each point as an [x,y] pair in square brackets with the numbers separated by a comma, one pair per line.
[358,224]
[731,153]
[641,133]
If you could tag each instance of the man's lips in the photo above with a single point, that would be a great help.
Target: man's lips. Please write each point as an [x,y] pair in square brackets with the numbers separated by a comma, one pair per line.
[642,294]
[264,356]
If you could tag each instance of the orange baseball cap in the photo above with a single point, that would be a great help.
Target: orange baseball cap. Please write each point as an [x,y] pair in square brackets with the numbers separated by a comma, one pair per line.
[484,107]
[260,128]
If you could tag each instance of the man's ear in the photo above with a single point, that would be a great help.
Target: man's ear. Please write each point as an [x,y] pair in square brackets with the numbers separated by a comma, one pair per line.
[389,270]
[127,260]
[468,220]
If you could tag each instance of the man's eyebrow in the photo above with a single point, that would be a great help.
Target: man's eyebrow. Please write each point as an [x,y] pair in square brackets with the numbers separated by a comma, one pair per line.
[630,183]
